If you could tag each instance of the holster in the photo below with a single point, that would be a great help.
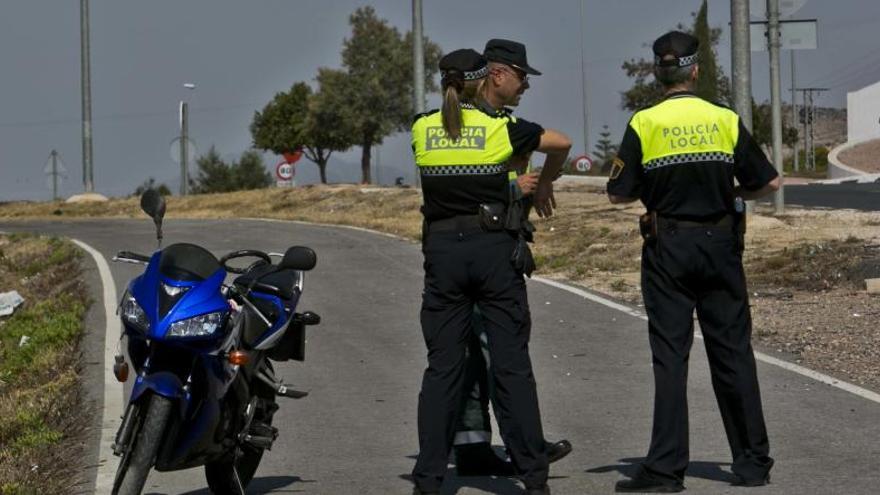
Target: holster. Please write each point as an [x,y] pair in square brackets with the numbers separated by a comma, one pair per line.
[493,217]
[522,258]
[517,223]
[648,227]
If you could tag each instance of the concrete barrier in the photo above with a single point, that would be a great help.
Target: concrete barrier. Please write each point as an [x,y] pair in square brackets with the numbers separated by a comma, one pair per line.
[836,169]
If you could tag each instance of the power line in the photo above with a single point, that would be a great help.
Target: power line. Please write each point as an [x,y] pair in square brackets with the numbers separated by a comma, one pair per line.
[122,116]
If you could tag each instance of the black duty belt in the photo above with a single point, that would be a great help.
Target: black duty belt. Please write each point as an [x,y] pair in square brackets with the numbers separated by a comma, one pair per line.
[459,222]
[673,223]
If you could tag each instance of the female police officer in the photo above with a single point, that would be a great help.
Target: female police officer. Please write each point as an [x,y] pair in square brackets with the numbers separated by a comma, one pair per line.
[462,152]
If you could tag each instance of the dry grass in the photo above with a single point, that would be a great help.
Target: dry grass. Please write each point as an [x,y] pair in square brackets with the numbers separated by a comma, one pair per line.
[39,383]
[589,241]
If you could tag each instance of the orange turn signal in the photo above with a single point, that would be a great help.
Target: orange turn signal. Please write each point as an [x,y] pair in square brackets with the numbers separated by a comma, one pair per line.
[238,358]
[120,370]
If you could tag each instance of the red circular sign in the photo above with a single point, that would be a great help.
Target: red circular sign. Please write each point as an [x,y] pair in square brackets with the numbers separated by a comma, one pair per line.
[583,163]
[284,171]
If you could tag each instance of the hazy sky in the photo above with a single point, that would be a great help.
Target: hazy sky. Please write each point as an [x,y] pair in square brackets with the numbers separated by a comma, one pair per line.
[239,54]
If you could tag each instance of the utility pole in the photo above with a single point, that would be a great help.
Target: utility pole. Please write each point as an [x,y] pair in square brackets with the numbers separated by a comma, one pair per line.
[775,97]
[741,57]
[54,158]
[741,66]
[184,152]
[584,87]
[85,68]
[418,66]
[809,119]
[795,160]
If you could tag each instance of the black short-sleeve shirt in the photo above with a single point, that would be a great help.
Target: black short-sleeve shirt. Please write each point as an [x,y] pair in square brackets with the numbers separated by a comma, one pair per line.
[680,158]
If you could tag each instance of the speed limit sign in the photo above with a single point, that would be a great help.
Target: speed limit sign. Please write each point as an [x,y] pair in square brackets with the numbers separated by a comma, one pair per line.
[284,173]
[583,163]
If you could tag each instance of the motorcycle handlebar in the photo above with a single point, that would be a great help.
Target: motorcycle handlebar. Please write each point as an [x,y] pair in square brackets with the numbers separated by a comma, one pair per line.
[130,257]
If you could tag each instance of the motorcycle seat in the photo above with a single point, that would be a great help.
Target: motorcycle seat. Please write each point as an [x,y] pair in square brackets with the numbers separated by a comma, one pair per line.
[279,284]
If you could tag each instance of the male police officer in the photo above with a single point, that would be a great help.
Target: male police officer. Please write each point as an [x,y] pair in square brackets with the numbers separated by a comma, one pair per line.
[473,452]
[680,158]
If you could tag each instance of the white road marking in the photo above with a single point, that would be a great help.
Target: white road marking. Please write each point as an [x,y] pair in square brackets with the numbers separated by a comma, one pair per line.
[112,410]
[760,356]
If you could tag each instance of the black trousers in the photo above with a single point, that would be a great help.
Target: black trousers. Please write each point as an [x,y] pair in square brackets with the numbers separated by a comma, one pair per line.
[701,268]
[463,268]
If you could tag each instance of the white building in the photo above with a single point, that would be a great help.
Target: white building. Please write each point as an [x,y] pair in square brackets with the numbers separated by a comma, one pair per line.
[863,114]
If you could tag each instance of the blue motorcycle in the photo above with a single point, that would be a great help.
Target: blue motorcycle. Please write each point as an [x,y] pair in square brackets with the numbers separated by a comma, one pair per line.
[205,391]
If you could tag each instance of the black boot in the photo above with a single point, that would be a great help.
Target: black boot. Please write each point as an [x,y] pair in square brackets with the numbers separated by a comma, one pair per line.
[478,459]
[558,450]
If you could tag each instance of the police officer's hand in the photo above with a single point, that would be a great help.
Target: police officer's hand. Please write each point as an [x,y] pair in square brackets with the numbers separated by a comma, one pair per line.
[545,203]
[528,183]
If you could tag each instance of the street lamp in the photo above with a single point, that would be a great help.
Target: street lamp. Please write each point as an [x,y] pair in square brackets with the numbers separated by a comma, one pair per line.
[184,141]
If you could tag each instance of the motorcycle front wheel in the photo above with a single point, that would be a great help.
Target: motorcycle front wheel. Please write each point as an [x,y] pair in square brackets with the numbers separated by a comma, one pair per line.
[136,463]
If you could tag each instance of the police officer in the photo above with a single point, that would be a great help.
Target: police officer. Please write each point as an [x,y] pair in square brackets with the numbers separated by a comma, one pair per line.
[474,455]
[461,152]
[680,158]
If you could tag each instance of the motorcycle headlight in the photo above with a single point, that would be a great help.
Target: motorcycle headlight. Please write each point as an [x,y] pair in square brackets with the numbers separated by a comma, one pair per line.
[197,326]
[133,313]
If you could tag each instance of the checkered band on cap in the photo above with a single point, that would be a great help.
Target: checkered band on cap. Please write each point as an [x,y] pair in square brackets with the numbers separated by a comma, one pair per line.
[463,169]
[477,74]
[665,161]
[680,61]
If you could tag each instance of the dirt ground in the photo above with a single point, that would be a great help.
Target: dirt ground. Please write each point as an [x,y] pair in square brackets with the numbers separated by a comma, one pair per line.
[865,156]
[806,269]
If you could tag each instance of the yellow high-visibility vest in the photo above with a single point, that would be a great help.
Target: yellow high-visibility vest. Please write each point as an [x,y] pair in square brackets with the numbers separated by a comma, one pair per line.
[483,148]
[685,129]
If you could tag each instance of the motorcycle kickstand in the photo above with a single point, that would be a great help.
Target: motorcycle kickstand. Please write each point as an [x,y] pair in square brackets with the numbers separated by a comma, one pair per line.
[280,388]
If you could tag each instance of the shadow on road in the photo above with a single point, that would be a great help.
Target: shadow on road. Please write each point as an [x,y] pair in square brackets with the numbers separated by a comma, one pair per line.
[266,484]
[713,471]
[500,485]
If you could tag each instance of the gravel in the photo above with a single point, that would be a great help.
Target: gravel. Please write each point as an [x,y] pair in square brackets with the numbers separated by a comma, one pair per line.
[835,332]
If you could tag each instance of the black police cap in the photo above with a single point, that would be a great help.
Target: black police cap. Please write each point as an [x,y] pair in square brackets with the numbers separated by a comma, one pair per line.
[466,61]
[509,53]
[681,46]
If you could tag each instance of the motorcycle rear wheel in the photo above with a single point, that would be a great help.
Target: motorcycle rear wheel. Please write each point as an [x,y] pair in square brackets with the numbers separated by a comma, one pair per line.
[136,464]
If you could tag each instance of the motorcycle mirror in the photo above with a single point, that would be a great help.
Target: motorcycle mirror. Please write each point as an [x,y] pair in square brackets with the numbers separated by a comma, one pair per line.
[153,205]
[299,258]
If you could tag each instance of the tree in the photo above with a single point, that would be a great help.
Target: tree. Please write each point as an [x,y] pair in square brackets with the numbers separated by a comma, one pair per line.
[217,176]
[296,120]
[280,126]
[707,82]
[250,172]
[151,184]
[377,92]
[712,83]
[327,126]
[762,129]
[214,174]
[605,150]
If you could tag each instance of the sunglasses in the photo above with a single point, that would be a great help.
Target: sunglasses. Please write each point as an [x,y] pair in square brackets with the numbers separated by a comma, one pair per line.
[521,75]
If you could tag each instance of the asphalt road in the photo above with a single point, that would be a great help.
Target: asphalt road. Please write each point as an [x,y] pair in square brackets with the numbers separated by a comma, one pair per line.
[864,197]
[356,432]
